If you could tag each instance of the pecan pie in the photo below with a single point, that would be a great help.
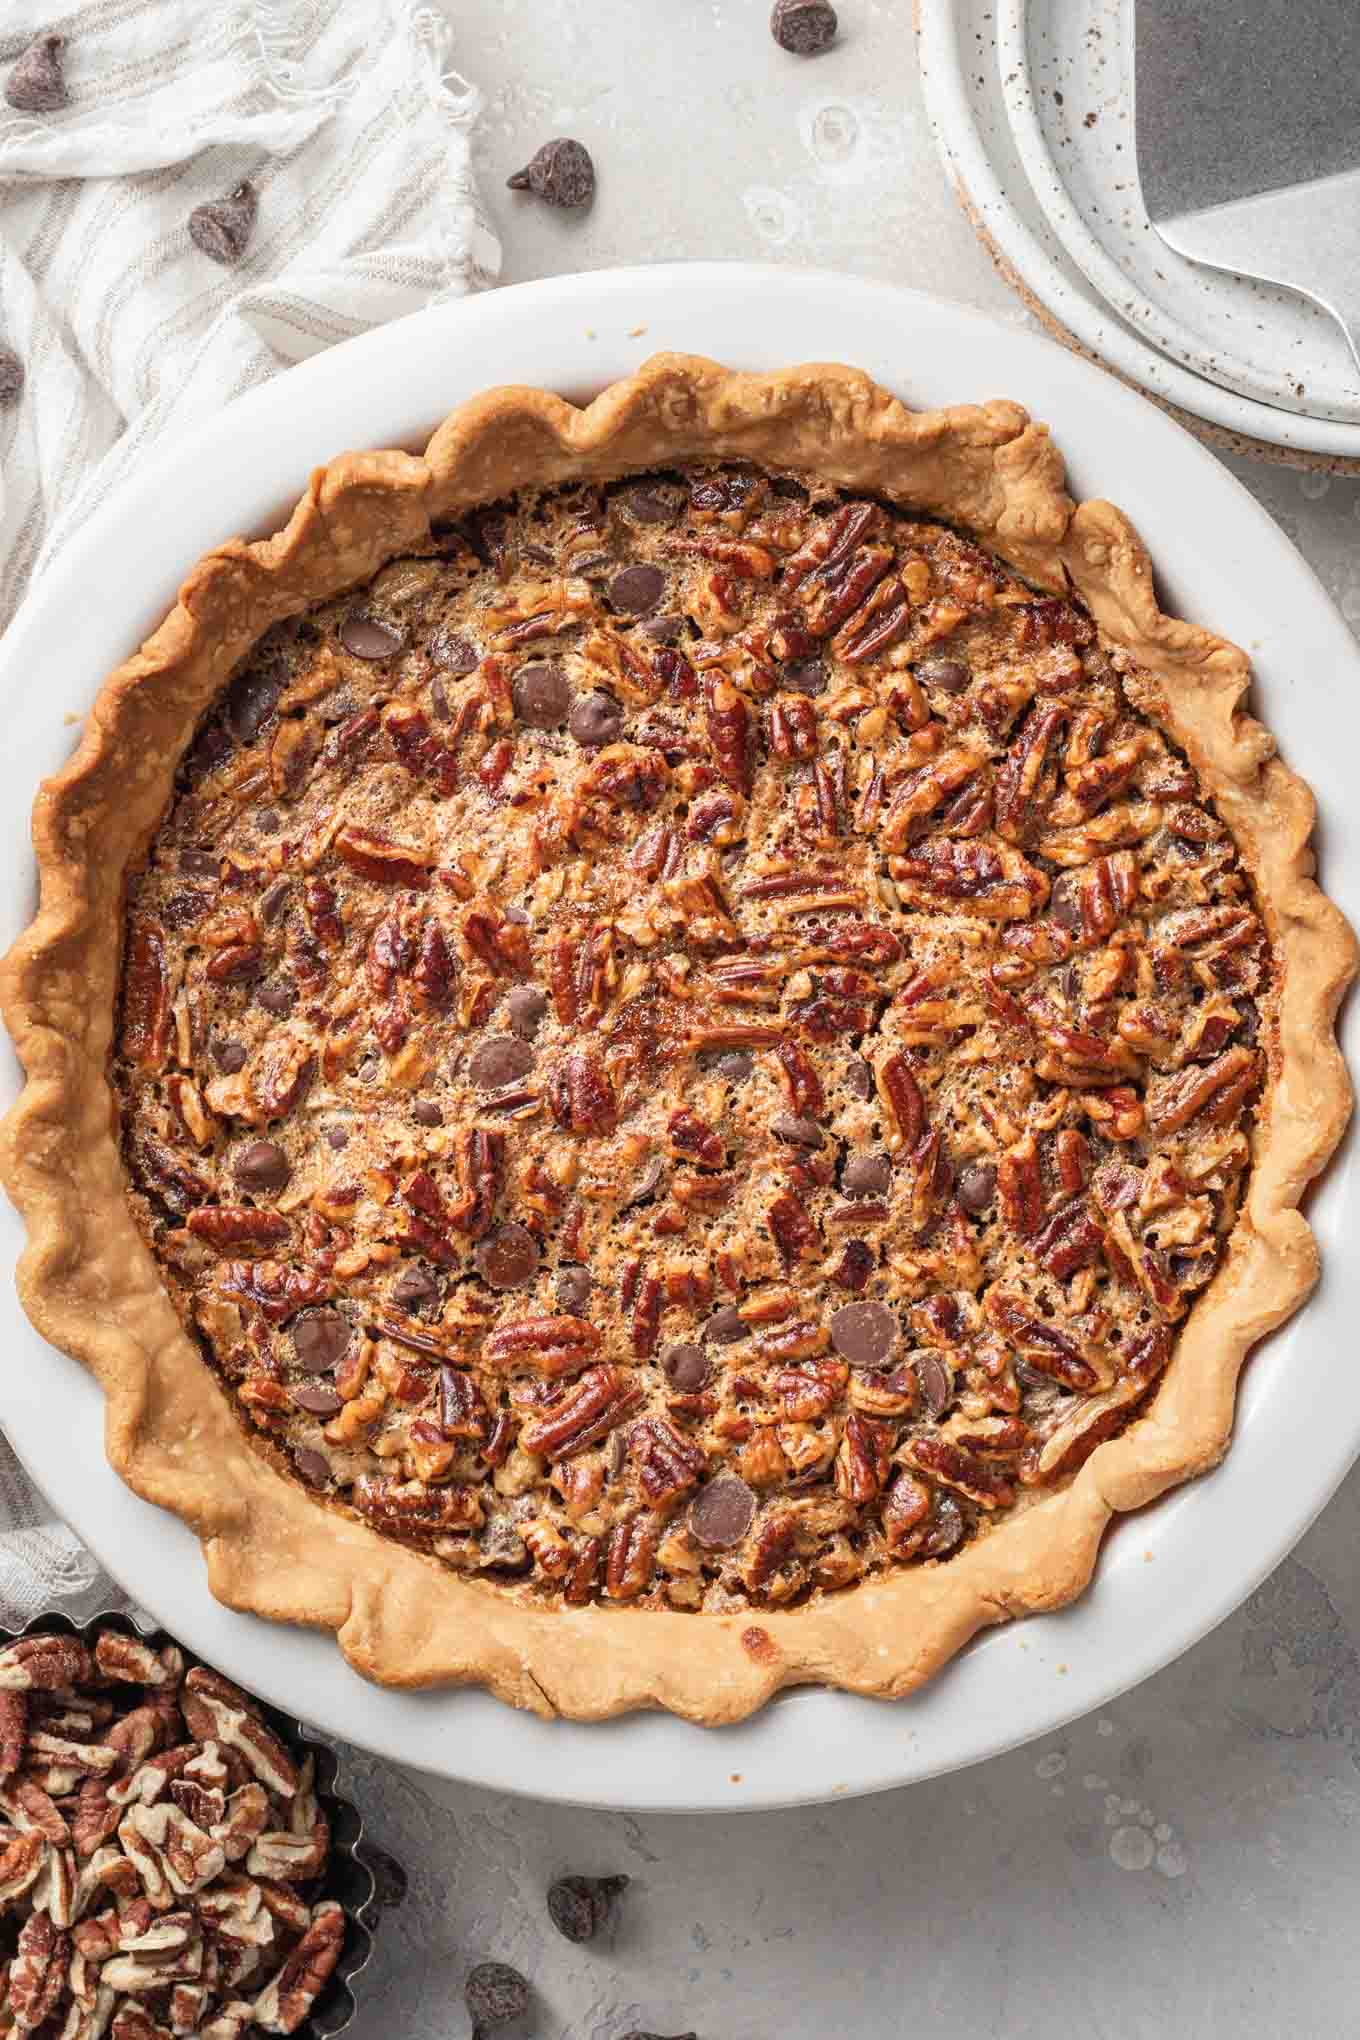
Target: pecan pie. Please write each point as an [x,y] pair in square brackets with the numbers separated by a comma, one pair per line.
[693,993]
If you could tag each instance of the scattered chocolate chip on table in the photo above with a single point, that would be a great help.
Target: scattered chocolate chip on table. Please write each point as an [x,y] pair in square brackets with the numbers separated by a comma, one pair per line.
[803,27]
[580,1906]
[37,84]
[221,229]
[11,376]
[561,173]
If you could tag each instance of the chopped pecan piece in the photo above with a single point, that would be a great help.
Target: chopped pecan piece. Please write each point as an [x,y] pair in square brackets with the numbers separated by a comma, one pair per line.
[1217,1090]
[1040,1343]
[630,1559]
[864,1458]
[285,2002]
[581,1096]
[955,1468]
[903,1099]
[802,1085]
[237,1225]
[146,997]
[795,1233]
[729,732]
[381,860]
[692,1139]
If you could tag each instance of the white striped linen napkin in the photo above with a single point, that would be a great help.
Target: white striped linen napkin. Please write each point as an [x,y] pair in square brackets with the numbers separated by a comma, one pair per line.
[354,130]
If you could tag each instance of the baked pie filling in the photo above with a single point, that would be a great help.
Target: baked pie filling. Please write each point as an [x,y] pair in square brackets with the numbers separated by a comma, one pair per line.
[689,1045]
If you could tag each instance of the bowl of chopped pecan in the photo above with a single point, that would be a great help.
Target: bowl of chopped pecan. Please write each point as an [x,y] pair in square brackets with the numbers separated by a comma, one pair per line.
[174,1857]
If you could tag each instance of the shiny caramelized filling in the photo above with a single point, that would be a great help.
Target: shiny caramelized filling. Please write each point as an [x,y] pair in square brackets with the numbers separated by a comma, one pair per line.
[690,1043]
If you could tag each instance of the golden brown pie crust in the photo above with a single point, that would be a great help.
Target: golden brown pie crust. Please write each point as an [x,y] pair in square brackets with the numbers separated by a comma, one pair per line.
[90,1284]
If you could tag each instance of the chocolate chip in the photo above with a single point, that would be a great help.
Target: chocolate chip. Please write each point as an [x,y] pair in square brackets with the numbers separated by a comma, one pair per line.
[637,589]
[499,1060]
[1249,1021]
[653,506]
[318,1402]
[560,173]
[274,901]
[278,996]
[182,909]
[267,822]
[725,1326]
[313,1466]
[866,1176]
[645,1184]
[320,1338]
[951,676]
[452,652]
[427,1112]
[579,1906]
[686,1368]
[37,84]
[11,376]
[495,1994]
[573,1287]
[859,1078]
[519,915]
[337,1137]
[864,1333]
[1064,903]
[503,1550]
[368,637]
[414,1289]
[261,1165]
[542,694]
[200,863]
[250,702]
[735,1065]
[936,1383]
[664,629]
[596,720]
[229,1056]
[439,701]
[508,1257]
[947,1529]
[721,1513]
[977,1186]
[222,228]
[804,676]
[525,1008]
[804,1133]
[803,27]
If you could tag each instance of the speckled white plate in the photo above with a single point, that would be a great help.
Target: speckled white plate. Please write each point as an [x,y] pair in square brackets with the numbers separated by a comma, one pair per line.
[1031,105]
[1165,1577]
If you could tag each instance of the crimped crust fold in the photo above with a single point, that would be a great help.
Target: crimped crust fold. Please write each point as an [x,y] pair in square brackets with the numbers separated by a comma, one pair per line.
[91,1287]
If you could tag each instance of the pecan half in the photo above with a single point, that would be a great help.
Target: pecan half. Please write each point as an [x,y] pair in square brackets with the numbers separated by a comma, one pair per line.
[668,1465]
[548,1345]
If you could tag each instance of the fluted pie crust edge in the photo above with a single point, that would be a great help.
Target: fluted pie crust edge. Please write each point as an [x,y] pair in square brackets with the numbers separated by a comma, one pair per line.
[91,1287]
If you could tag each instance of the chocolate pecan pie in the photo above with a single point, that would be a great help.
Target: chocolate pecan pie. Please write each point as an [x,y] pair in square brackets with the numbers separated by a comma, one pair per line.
[713,1024]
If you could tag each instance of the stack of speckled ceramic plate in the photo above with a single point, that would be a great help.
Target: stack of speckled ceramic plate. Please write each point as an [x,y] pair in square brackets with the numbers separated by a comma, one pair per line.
[1032,107]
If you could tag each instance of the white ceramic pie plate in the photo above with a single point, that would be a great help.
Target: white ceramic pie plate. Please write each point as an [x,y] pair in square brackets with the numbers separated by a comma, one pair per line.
[1165,1578]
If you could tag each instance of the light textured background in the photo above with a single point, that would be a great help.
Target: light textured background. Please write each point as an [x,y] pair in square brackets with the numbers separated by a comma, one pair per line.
[1184,1863]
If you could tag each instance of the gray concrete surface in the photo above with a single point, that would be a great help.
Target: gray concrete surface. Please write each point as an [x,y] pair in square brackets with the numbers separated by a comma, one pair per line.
[1184,1863]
